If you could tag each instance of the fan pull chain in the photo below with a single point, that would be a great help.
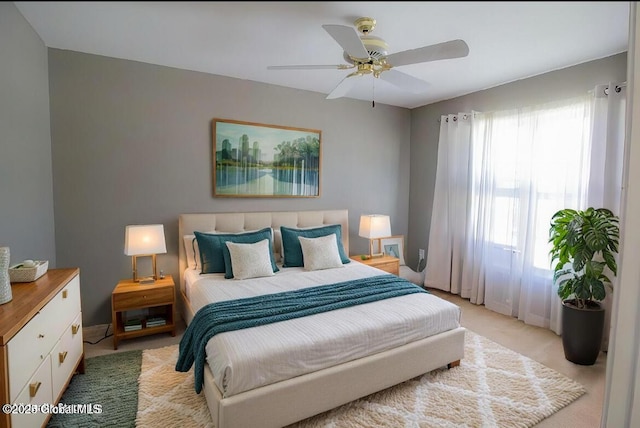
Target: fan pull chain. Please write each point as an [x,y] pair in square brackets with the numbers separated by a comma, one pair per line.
[373,94]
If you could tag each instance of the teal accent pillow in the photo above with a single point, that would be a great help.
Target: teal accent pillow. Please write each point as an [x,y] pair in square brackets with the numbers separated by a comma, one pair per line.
[214,254]
[292,250]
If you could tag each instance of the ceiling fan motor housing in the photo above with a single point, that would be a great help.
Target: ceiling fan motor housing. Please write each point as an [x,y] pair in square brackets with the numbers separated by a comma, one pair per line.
[375,46]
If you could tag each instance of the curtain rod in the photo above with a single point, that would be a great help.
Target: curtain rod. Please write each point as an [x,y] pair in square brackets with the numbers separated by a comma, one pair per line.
[455,116]
[618,87]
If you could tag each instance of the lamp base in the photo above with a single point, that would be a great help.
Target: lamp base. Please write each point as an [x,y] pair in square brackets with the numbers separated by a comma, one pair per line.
[373,255]
[148,279]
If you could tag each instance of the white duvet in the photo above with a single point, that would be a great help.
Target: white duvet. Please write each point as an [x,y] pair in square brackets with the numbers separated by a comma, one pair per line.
[246,359]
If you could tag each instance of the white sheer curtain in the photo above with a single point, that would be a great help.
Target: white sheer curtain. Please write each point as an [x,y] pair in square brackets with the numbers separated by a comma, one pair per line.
[448,218]
[497,186]
[541,158]
[605,184]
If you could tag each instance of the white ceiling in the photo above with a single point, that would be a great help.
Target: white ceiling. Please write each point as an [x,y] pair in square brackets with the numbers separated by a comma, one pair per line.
[507,41]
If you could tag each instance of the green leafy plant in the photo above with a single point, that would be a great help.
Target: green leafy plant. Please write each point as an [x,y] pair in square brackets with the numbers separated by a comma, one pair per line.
[583,244]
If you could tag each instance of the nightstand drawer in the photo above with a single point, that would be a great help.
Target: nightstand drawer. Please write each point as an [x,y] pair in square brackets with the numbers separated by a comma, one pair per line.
[386,263]
[391,267]
[143,298]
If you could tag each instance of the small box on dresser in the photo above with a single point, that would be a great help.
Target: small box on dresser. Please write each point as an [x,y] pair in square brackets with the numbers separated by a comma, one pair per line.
[40,344]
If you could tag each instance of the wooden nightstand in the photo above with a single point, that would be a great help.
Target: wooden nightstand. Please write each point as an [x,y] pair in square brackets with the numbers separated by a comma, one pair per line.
[385,263]
[158,298]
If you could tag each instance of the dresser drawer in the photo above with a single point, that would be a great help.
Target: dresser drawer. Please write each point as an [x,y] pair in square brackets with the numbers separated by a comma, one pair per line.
[37,391]
[143,298]
[65,355]
[64,306]
[28,348]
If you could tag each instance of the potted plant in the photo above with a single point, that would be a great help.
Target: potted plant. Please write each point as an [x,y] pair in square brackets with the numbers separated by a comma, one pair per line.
[584,245]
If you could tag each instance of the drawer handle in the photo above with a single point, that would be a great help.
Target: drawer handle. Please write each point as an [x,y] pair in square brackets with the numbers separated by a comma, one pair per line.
[62,356]
[75,328]
[40,336]
[33,389]
[65,293]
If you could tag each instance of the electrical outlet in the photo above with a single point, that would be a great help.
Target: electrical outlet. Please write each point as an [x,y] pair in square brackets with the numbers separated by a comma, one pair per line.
[421,253]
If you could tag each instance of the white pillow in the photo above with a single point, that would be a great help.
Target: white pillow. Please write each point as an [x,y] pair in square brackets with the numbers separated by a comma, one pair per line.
[320,253]
[193,257]
[277,245]
[250,260]
[280,243]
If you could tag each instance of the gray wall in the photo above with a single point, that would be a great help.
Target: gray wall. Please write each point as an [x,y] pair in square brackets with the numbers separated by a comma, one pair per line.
[132,144]
[425,127]
[128,143]
[26,189]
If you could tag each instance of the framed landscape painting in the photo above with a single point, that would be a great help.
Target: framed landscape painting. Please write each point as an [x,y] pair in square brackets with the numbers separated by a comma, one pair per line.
[259,160]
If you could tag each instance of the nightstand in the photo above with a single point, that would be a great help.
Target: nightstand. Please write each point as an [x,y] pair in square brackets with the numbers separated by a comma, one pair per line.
[386,263]
[158,299]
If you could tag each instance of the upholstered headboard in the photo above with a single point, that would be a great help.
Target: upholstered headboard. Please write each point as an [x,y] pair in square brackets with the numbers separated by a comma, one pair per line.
[240,222]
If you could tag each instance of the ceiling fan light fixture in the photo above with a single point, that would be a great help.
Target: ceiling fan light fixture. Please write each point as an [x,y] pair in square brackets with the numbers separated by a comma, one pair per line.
[376,47]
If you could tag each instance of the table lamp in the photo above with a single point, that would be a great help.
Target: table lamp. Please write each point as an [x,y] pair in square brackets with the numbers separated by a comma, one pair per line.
[144,241]
[374,226]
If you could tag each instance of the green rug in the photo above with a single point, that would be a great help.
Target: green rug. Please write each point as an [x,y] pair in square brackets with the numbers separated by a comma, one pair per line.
[119,400]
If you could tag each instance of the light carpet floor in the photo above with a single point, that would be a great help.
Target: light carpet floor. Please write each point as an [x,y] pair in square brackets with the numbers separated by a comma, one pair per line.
[492,387]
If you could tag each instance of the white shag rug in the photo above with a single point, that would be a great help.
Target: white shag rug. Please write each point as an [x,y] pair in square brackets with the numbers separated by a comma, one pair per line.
[493,386]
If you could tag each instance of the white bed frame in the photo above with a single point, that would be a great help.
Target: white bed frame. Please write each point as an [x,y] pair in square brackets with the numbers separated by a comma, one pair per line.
[292,400]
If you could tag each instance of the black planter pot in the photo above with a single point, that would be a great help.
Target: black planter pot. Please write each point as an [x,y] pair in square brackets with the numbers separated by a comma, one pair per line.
[582,331]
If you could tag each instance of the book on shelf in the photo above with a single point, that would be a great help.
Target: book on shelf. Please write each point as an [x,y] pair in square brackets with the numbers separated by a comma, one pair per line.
[155,324]
[133,324]
[156,321]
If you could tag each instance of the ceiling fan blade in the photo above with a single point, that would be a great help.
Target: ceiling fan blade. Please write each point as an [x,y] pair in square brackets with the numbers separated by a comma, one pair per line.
[348,38]
[343,87]
[309,67]
[445,50]
[405,81]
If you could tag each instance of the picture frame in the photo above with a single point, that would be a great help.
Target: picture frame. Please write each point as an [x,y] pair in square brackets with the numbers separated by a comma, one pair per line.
[265,161]
[393,246]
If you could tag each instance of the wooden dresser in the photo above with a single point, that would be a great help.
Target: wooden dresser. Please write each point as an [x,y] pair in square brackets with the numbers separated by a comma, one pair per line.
[40,344]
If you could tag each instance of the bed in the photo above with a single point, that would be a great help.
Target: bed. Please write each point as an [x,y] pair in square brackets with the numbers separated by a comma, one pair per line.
[261,390]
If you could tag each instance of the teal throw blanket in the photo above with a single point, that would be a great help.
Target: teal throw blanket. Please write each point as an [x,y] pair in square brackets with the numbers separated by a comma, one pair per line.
[237,314]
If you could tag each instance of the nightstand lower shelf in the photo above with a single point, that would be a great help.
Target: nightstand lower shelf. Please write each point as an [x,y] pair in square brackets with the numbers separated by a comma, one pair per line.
[144,331]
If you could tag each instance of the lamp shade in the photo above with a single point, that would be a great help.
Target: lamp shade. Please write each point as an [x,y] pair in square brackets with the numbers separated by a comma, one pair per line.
[374,226]
[144,239]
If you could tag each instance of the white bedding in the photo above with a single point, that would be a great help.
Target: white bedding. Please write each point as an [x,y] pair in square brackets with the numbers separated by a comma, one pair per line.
[245,359]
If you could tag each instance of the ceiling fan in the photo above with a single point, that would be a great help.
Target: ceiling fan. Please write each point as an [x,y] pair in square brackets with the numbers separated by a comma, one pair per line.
[368,54]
